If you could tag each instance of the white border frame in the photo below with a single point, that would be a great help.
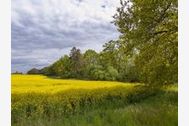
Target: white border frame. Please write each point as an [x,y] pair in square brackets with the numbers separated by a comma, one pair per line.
[5,62]
[183,71]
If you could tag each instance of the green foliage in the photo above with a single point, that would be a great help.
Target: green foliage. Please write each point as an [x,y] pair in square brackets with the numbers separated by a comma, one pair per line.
[91,57]
[89,65]
[60,68]
[91,61]
[111,73]
[149,31]
[76,59]
[34,71]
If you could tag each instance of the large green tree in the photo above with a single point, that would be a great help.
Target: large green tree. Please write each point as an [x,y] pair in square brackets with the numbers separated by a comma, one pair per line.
[149,31]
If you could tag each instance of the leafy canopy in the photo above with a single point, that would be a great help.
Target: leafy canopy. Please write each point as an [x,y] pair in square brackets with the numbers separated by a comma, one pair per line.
[149,31]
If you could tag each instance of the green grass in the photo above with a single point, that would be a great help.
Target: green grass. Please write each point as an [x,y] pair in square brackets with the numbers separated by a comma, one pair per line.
[133,105]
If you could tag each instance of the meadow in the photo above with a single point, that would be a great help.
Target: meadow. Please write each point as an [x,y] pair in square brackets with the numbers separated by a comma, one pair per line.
[42,101]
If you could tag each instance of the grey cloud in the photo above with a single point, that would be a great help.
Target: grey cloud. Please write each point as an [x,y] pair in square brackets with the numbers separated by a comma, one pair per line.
[38,38]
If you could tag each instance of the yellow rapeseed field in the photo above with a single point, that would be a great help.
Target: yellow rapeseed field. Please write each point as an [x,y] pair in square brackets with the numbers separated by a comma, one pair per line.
[43,84]
[42,101]
[40,96]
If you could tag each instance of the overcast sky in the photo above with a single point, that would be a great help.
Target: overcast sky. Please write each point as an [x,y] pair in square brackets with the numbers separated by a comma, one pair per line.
[44,30]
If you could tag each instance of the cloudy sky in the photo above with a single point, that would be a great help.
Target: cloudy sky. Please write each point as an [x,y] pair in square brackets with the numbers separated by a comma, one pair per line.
[44,30]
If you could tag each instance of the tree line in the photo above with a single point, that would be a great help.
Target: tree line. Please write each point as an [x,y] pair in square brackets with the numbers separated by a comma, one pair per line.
[105,65]
[146,51]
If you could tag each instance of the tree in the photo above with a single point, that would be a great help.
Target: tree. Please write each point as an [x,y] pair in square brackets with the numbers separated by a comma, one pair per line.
[66,71]
[111,73]
[17,72]
[76,60]
[109,54]
[62,67]
[149,31]
[34,71]
[46,71]
[90,59]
